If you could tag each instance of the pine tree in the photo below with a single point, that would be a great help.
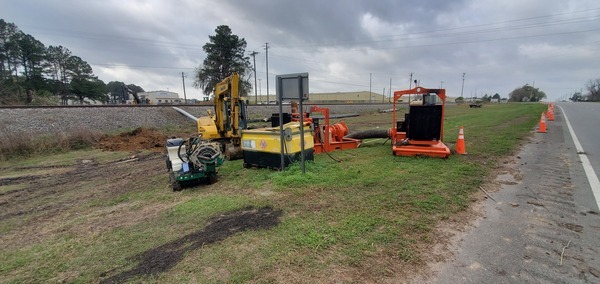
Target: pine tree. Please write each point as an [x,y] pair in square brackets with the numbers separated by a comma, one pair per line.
[224,55]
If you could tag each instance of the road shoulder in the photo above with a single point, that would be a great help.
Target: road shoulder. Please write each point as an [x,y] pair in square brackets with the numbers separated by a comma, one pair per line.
[539,226]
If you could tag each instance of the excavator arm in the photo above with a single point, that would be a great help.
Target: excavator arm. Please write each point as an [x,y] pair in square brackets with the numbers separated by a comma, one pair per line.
[229,117]
[228,106]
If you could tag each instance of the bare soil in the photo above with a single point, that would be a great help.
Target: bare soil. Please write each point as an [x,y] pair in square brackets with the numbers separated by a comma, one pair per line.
[46,200]
[135,140]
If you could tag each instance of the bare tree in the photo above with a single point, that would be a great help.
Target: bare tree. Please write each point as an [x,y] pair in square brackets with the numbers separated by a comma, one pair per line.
[593,88]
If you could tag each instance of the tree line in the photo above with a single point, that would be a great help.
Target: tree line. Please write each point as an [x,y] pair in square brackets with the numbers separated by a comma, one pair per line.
[528,93]
[593,92]
[32,73]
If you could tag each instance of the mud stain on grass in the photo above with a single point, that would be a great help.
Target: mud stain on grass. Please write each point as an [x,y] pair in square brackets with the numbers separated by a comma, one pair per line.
[165,257]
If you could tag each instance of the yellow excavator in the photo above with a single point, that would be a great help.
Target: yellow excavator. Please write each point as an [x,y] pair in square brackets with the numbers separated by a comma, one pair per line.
[229,118]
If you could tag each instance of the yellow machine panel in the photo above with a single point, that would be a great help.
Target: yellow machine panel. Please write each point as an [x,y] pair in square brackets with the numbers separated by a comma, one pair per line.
[262,147]
[207,128]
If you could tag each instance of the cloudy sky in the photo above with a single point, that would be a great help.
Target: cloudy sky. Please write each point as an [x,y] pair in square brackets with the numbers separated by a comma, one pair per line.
[345,45]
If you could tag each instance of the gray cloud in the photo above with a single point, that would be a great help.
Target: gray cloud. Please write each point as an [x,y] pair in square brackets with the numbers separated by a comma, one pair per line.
[500,45]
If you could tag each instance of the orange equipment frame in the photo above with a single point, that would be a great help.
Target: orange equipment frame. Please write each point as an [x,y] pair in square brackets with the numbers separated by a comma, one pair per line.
[333,135]
[401,146]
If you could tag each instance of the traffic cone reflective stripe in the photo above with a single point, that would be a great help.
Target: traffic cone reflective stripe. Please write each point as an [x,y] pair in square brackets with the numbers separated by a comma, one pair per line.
[460,143]
[542,128]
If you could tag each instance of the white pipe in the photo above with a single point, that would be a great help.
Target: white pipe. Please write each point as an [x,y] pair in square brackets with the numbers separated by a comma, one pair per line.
[185,113]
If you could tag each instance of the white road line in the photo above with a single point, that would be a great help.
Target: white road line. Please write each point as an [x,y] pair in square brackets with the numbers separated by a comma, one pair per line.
[587,167]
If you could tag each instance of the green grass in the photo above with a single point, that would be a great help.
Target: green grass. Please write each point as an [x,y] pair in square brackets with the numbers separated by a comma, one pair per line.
[372,207]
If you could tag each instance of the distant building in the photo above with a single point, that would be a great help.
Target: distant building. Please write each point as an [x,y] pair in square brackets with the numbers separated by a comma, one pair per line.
[160,97]
[348,97]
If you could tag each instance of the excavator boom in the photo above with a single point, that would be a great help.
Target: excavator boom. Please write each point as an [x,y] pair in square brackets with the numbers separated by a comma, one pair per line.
[229,116]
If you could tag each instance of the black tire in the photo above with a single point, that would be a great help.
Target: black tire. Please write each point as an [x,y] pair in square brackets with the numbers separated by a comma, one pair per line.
[212,178]
[174,183]
[168,162]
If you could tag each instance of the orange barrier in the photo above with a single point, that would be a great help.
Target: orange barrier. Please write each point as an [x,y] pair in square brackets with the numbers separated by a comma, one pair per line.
[460,143]
[542,128]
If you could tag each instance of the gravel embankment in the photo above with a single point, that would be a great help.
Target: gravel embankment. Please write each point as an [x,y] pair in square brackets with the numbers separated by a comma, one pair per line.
[106,119]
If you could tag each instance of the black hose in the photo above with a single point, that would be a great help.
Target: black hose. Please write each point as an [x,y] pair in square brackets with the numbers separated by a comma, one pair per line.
[324,151]
[371,133]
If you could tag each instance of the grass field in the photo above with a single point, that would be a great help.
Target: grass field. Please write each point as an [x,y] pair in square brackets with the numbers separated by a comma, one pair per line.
[96,216]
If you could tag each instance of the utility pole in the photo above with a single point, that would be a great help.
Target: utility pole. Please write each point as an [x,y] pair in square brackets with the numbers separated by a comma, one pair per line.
[184,96]
[383,95]
[260,88]
[463,86]
[253,54]
[410,86]
[390,88]
[441,84]
[267,58]
[370,95]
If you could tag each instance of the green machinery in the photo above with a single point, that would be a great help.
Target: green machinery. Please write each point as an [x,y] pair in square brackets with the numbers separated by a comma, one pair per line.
[192,161]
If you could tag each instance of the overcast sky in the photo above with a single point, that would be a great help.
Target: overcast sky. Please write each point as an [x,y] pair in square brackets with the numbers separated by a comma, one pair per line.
[499,44]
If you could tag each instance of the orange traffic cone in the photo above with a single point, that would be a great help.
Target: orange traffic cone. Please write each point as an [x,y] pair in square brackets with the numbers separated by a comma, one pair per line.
[550,115]
[460,143]
[550,112]
[542,128]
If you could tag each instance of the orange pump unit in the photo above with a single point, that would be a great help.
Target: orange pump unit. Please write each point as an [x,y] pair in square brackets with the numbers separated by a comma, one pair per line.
[421,133]
[331,137]
[327,137]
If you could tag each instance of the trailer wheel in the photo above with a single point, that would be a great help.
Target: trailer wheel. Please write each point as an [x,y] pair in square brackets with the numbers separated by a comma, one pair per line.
[168,163]
[212,178]
[174,183]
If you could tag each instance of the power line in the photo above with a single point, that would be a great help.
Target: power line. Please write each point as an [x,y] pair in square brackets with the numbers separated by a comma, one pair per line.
[142,67]
[487,40]
[396,37]
[410,36]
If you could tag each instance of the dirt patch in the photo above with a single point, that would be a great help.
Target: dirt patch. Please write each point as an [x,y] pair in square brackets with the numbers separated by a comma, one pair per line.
[165,257]
[135,140]
[39,208]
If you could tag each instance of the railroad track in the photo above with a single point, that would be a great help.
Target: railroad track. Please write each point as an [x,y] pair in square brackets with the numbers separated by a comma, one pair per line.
[172,105]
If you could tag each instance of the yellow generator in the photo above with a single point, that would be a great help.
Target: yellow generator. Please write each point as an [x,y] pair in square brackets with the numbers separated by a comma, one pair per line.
[262,147]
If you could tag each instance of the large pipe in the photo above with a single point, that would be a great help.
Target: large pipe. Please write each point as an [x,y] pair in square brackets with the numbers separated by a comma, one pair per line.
[371,133]
[186,114]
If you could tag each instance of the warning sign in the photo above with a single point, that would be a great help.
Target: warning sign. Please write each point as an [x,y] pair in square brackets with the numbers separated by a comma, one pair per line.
[263,144]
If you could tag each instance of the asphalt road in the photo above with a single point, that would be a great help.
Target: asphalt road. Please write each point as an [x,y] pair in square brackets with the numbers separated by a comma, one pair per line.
[584,122]
[543,224]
